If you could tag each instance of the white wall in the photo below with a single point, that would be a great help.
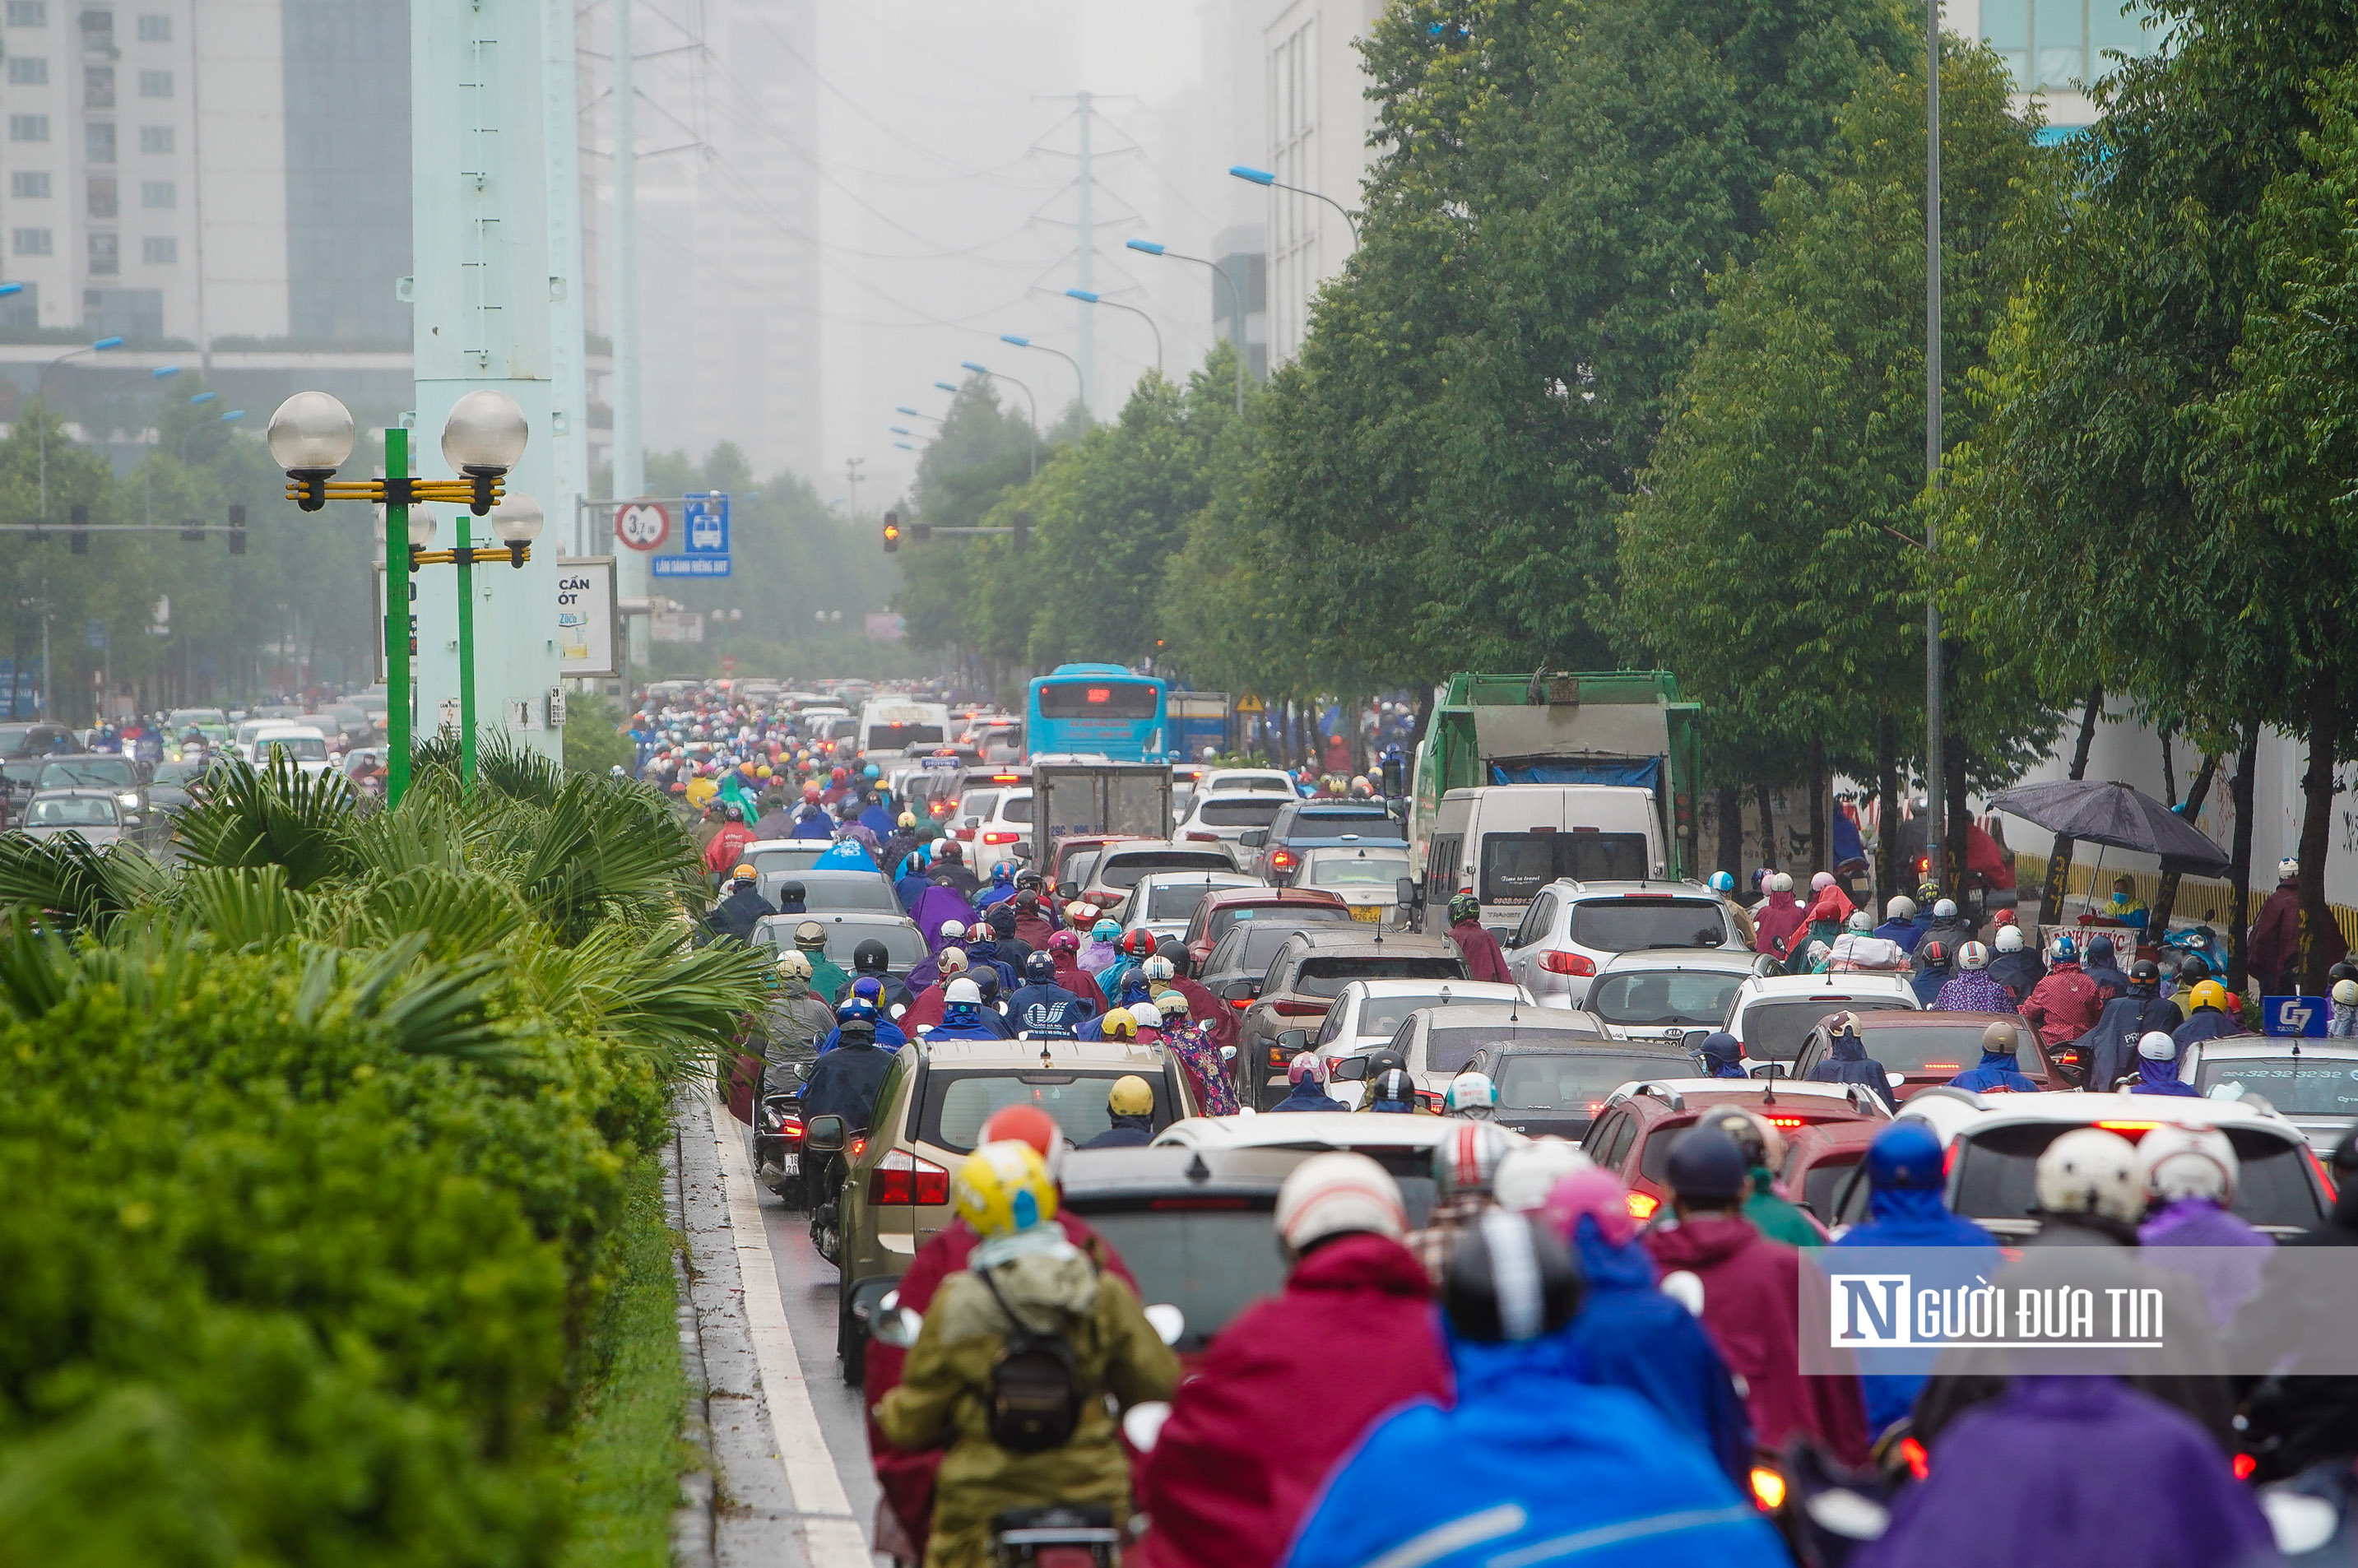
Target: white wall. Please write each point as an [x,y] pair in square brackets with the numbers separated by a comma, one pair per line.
[242,139]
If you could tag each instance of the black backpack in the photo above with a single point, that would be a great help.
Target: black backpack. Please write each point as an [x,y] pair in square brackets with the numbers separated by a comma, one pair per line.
[1036,1392]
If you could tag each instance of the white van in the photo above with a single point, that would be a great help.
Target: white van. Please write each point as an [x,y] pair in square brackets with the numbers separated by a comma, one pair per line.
[896,727]
[1507,841]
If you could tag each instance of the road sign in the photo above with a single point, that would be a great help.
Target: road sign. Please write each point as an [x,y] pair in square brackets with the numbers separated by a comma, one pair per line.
[689,565]
[642,526]
[708,524]
[1249,703]
[2301,1015]
[728,663]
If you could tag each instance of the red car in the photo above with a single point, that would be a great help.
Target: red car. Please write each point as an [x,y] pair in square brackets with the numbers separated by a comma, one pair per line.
[1223,909]
[1633,1134]
[1819,1160]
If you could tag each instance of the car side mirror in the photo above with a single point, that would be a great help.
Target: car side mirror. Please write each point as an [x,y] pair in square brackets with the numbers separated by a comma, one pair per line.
[1253,837]
[1772,1070]
[1350,1070]
[1293,1040]
[896,1326]
[1408,893]
[1069,890]
[1694,1040]
[1241,991]
[824,1135]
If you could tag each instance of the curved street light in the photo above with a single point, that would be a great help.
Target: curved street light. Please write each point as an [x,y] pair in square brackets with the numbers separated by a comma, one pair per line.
[1024,342]
[1034,403]
[1261,176]
[1236,301]
[1091,297]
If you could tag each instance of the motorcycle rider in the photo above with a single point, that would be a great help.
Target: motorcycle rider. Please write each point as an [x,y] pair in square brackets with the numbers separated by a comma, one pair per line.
[1850,1063]
[742,909]
[2014,965]
[1859,948]
[1129,1107]
[1948,927]
[2110,1045]
[2190,1179]
[1779,923]
[1933,968]
[963,1016]
[826,977]
[1971,990]
[1465,1162]
[861,1003]
[1723,1055]
[2211,1018]
[1529,1460]
[1393,1092]
[1900,923]
[1724,885]
[1485,960]
[1012,949]
[1471,1096]
[843,1082]
[1999,1070]
[1775,1217]
[2274,947]
[1023,1277]
[2064,1005]
[2098,966]
[2343,1024]
[1307,1075]
[1041,1006]
[2157,1068]
[792,1025]
[872,960]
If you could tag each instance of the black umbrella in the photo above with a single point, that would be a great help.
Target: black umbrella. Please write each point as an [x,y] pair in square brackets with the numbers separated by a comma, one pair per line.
[2109,812]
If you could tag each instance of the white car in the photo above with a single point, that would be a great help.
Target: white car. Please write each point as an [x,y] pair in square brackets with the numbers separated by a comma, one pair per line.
[1163,903]
[1223,817]
[302,743]
[1438,1043]
[1367,1013]
[1001,832]
[1571,930]
[1400,1144]
[2314,1087]
[1772,1015]
[1250,781]
[1367,878]
[1667,996]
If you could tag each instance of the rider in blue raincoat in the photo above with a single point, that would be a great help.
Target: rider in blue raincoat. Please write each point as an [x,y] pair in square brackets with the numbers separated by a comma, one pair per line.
[1998,1069]
[1723,1055]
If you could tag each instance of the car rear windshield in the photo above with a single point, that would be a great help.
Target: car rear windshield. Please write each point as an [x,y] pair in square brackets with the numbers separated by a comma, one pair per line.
[958,1102]
[1286,917]
[1696,1000]
[1335,821]
[767,861]
[1937,1048]
[1174,900]
[2307,1085]
[1327,976]
[900,737]
[1515,866]
[1016,807]
[1258,946]
[1208,1256]
[1240,811]
[1996,1169]
[868,895]
[1573,1081]
[1362,870]
[1637,924]
[1773,1030]
[1382,1014]
[88,772]
[1655,1159]
[304,748]
[977,802]
[1823,1186]
[1123,871]
[1448,1050]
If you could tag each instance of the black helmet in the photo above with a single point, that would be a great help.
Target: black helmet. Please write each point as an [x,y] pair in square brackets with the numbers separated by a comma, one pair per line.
[1508,1278]
[1705,1163]
[1182,963]
[2194,968]
[986,979]
[1040,969]
[1382,1060]
[871,957]
[2145,972]
[1393,1087]
[2344,970]
[1001,918]
[791,892]
[858,1030]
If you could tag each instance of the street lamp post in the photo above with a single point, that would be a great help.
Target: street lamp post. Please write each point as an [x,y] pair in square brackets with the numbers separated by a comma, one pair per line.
[1033,402]
[311,435]
[1081,382]
[40,383]
[230,418]
[1264,178]
[1090,296]
[1236,302]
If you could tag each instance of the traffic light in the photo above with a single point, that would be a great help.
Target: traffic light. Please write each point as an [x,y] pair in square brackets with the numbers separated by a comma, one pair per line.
[891,532]
[79,540]
[921,532]
[1022,531]
[237,530]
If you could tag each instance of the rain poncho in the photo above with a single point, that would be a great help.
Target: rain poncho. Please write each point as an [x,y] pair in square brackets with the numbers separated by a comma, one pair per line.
[1997,1071]
[2012,1482]
[2161,1078]
[1048,1010]
[1915,1217]
[1972,991]
[1723,1055]
[2205,1024]
[1777,925]
[2110,1044]
[1529,1459]
[737,915]
[811,821]
[2064,1005]
[1630,1336]
[1097,957]
[1002,889]
[827,977]
[1215,1093]
[2019,971]
[1485,960]
[845,855]
[1309,1095]
[2227,1277]
[939,903]
[1850,1063]
[2343,1024]
[1124,1132]
[1777,1216]
[844,1082]
[792,1027]
[2099,967]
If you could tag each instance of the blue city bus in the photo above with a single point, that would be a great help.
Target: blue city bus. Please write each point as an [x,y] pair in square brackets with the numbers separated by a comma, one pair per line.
[1096,709]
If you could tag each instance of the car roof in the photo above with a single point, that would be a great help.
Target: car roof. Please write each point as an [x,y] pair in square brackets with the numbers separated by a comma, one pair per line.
[839,917]
[1868,1022]
[1196,874]
[1777,988]
[1256,896]
[1090,1175]
[1715,1091]
[1041,1055]
[1323,944]
[1473,992]
[79,757]
[1517,1015]
[1717,960]
[2079,1108]
[1314,1129]
[817,847]
[1575,889]
[1652,1050]
[2245,1048]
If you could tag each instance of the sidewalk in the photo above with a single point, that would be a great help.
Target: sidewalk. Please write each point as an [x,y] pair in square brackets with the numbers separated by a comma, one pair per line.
[772,1498]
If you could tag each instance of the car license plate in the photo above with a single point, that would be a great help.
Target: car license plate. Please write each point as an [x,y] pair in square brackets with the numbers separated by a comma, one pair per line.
[1370,913]
[792,1164]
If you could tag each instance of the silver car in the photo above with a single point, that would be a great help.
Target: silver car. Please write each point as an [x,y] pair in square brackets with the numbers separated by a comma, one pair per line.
[95,813]
[2313,1083]
[1665,997]
[1572,929]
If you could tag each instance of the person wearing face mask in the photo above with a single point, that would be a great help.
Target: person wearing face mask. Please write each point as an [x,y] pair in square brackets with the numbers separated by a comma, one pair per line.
[2126,906]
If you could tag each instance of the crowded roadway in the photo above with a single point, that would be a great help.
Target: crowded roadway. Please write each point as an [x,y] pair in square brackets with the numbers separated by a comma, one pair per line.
[1260,1184]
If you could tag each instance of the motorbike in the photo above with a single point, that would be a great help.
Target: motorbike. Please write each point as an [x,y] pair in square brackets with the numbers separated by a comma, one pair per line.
[828,1144]
[1059,1536]
[2201,942]
[778,1147]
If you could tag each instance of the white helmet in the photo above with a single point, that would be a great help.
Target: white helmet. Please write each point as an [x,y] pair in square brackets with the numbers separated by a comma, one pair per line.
[2189,1163]
[2091,1170]
[952,961]
[962,991]
[1901,907]
[1780,882]
[1531,1171]
[952,930]
[793,966]
[1147,1015]
[1945,910]
[2345,993]
[2287,868]
[1466,1159]
[1973,956]
[1860,920]
[2009,938]
[1334,1194]
[2156,1046]
[1471,1091]
[1158,968]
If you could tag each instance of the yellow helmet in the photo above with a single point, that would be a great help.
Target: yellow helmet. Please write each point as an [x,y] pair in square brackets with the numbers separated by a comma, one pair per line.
[1004,1187]
[2211,993]
[1119,1025]
[762,771]
[701,791]
[1132,1096]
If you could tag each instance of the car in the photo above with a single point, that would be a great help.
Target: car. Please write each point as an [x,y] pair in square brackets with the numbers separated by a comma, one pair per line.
[1439,1042]
[1002,833]
[1368,879]
[40,739]
[1224,911]
[301,745]
[832,892]
[1075,855]
[2313,1083]
[1639,1122]
[1165,902]
[173,784]
[1274,853]
[96,814]
[1118,867]
[1923,1050]
[1238,961]
[210,722]
[1667,996]
[1820,1159]
[1248,781]
[776,862]
[1546,1089]
[1194,1226]
[331,728]
[1402,1145]
[1503,842]
[1224,817]
[1305,973]
[904,945]
[1366,1013]
[108,771]
[1992,1154]
[1773,1014]
[933,1100]
[1570,930]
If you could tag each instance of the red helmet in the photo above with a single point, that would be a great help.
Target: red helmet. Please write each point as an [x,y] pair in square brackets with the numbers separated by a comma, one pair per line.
[1139,942]
[840,775]
[810,792]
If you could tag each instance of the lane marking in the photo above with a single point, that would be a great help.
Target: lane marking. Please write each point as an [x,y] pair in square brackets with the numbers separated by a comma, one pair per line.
[830,1530]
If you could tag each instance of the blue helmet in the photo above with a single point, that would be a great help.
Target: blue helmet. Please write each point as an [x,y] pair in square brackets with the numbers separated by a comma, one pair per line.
[1040,969]
[2066,950]
[1722,883]
[1906,1156]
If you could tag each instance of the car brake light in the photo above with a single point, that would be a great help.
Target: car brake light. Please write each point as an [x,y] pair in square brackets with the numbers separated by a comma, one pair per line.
[1299,1009]
[1240,1003]
[1645,898]
[2126,1127]
[1919,1462]
[1202,837]
[1643,1205]
[1000,838]
[1567,964]
[1006,778]
[859,1147]
[1427,1097]
[903,1178]
[1768,1490]
[2245,1465]
[1277,1056]
[1789,1121]
[2318,1165]
[1942,1067]
[1280,859]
